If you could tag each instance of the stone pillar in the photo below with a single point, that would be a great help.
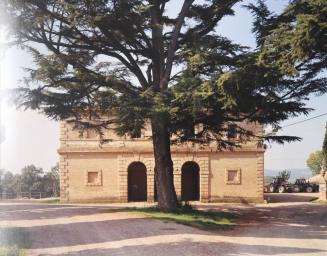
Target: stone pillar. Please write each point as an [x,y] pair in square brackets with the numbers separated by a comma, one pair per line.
[150,183]
[204,180]
[63,164]
[260,175]
[64,179]
[123,186]
[322,186]
[178,178]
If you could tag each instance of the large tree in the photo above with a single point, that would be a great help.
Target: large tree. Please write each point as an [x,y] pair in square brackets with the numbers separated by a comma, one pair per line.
[315,162]
[294,42]
[132,61]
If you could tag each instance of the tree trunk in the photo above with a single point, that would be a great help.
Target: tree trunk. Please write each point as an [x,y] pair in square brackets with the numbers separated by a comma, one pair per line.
[164,177]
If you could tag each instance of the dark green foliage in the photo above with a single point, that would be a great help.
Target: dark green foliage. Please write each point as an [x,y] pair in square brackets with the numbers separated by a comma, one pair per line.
[264,21]
[31,179]
[284,175]
[295,42]
[97,50]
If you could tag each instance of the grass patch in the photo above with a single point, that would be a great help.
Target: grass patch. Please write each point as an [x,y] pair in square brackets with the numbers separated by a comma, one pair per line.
[190,217]
[51,201]
[13,241]
[318,201]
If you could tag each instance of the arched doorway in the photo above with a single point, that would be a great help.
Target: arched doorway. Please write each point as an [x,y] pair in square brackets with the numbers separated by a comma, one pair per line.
[190,181]
[137,182]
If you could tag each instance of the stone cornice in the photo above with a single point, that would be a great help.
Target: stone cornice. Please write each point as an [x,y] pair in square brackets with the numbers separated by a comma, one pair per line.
[67,149]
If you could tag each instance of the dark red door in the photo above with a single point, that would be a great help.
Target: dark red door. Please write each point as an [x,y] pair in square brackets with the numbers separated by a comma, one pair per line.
[190,182]
[137,182]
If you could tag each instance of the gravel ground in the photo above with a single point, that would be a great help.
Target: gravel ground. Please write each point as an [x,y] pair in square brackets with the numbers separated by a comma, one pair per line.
[289,226]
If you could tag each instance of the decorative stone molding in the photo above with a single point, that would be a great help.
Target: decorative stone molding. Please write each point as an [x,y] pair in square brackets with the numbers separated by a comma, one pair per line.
[124,160]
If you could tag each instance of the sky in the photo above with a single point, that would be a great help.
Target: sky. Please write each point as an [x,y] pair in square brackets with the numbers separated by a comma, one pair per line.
[30,138]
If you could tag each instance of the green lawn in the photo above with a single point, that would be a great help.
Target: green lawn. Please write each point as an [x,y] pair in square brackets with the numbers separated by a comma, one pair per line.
[13,241]
[51,201]
[318,201]
[195,218]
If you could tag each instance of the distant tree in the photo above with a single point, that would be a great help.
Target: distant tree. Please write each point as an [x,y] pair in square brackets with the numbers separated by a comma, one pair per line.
[10,183]
[51,181]
[284,174]
[315,162]
[324,150]
[31,179]
[55,175]
[132,62]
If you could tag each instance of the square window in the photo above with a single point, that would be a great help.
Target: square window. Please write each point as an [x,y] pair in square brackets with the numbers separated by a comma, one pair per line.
[233,176]
[93,178]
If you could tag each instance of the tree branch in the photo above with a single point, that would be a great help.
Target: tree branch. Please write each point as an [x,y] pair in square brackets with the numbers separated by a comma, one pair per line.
[173,43]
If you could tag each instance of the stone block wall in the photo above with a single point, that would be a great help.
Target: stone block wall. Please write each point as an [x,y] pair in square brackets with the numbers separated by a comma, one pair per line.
[114,174]
[78,156]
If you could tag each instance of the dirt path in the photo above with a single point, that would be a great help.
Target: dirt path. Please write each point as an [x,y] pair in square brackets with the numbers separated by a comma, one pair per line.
[273,229]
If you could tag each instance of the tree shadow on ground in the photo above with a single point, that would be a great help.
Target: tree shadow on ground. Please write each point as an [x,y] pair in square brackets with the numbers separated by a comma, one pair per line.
[102,231]
[54,212]
[290,197]
[190,248]
[307,221]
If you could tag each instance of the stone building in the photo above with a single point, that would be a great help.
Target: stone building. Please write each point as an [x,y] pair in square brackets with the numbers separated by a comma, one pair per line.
[122,170]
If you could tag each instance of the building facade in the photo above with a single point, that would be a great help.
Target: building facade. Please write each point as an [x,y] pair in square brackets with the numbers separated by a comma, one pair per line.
[122,169]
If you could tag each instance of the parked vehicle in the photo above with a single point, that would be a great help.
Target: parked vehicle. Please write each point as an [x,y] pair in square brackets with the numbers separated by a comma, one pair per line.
[279,185]
[302,185]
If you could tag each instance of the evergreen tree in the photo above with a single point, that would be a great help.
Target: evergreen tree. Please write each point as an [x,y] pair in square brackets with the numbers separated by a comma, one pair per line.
[132,62]
[294,42]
